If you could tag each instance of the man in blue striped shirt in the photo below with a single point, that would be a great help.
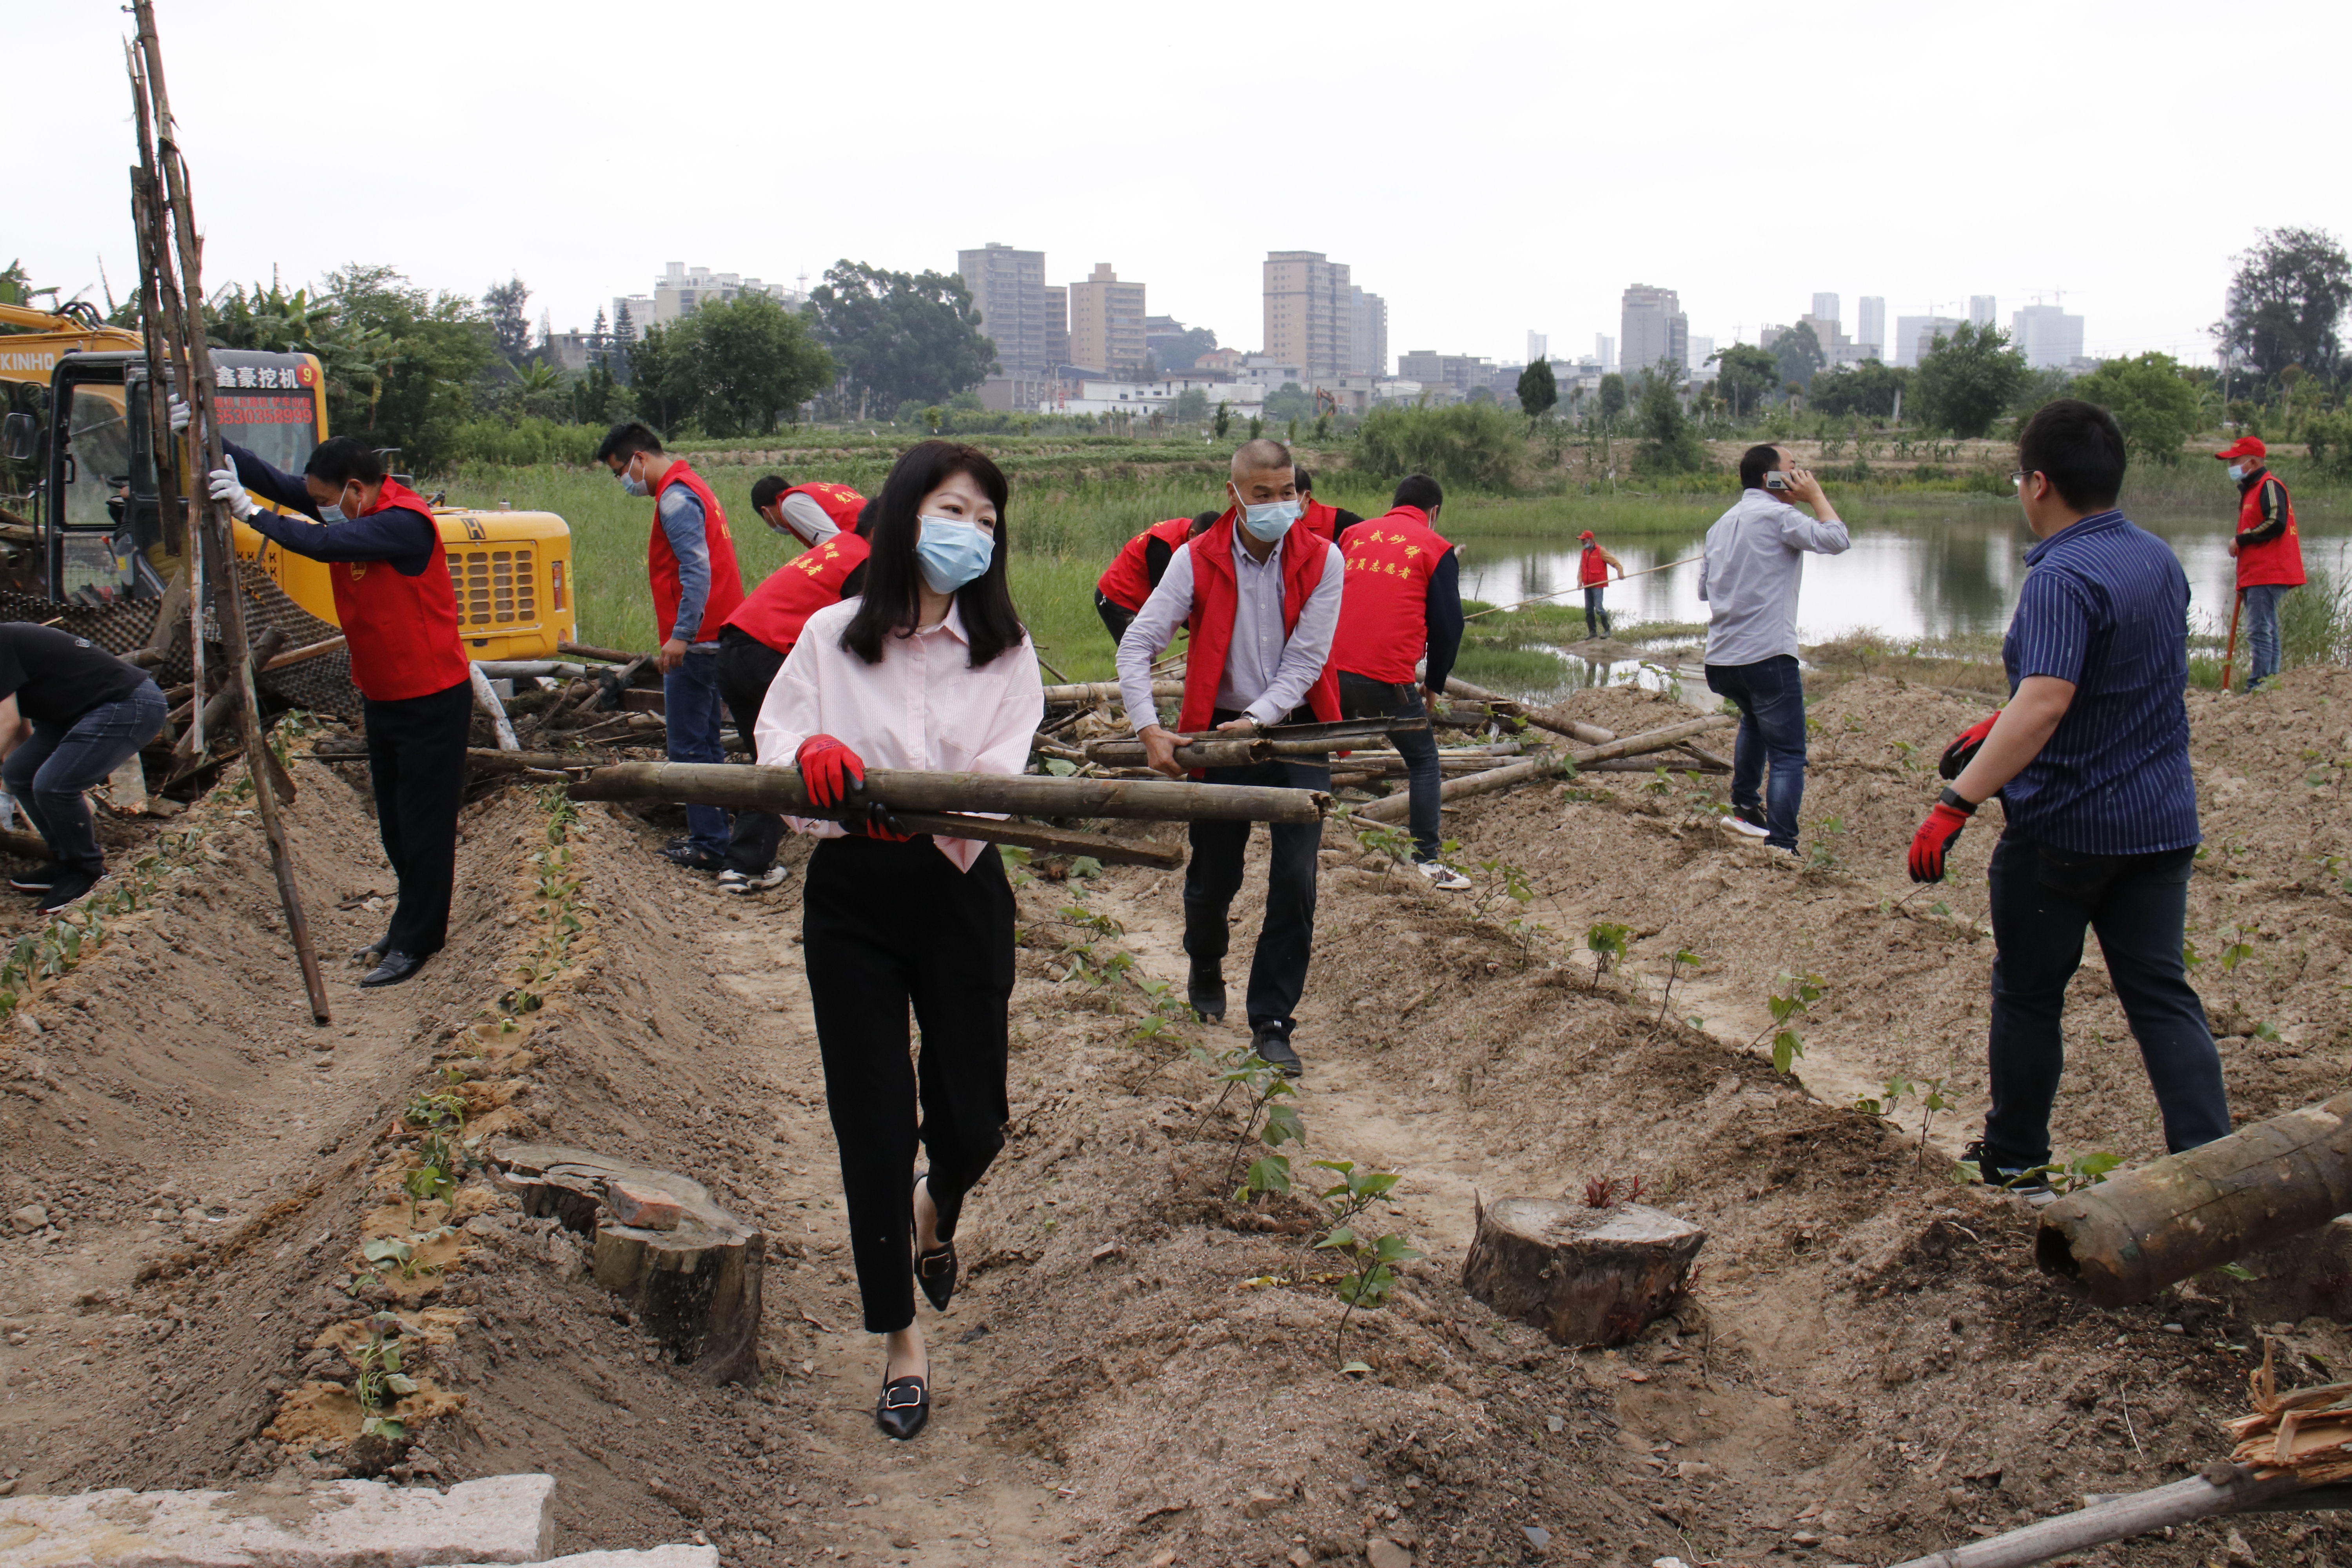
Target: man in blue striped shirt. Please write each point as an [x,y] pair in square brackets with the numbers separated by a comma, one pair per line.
[2091,760]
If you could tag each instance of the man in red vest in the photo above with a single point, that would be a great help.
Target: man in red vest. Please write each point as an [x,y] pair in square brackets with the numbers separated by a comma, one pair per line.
[1593,574]
[827,520]
[690,560]
[1260,596]
[399,616]
[1138,567]
[1404,604]
[2268,549]
[1330,522]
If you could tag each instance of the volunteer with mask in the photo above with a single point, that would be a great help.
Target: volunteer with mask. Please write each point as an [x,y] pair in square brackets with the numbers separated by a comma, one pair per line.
[2268,550]
[399,616]
[1262,599]
[930,668]
[753,643]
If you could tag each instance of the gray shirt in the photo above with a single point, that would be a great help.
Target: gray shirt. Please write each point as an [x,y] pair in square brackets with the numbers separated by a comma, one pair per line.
[1755,564]
[1267,674]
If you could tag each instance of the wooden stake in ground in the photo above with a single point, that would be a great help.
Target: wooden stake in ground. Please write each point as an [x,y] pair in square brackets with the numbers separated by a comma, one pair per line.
[175,230]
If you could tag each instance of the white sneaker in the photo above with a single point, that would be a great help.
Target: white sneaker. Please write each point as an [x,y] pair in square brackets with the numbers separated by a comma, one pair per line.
[1748,829]
[1442,876]
[733,881]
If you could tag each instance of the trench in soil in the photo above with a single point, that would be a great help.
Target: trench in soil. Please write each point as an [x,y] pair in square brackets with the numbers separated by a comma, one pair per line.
[1869,1365]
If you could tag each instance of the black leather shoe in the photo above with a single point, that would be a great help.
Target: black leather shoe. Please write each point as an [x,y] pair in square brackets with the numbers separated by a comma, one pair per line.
[1206,991]
[395,968]
[904,1408]
[1272,1046]
[935,1270]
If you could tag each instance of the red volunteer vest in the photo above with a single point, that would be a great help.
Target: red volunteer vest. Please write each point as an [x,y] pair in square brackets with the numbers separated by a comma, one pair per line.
[1215,598]
[779,608]
[1592,571]
[1323,520]
[661,561]
[1384,620]
[402,631]
[840,502]
[2281,560]
[1127,581]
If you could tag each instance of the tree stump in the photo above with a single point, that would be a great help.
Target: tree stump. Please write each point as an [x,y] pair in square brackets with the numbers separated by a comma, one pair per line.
[1584,1276]
[688,1269]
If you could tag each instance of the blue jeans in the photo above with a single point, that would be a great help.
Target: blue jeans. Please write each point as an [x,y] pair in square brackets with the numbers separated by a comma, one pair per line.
[49,771]
[1361,697]
[2042,900]
[2262,631]
[1594,612]
[1770,696]
[693,709]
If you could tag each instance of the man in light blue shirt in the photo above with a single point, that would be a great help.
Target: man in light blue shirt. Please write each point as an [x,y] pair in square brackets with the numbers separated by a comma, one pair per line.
[1754,568]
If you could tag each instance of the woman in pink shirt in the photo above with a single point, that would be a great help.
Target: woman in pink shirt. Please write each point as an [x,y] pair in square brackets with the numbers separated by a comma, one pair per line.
[930,668]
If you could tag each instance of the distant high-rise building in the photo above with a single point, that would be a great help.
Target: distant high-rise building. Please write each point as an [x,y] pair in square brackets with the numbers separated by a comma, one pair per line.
[1870,330]
[1915,334]
[1057,327]
[1460,372]
[1604,351]
[1009,288]
[1368,336]
[1654,329]
[1538,346]
[1106,323]
[1982,311]
[1700,351]
[2046,335]
[1310,313]
[681,289]
[1825,306]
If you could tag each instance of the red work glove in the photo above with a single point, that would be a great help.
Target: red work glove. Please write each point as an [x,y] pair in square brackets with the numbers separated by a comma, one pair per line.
[877,823]
[828,769]
[1935,840]
[1965,746]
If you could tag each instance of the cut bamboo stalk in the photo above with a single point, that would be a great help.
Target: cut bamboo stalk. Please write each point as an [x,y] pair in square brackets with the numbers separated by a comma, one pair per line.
[217,708]
[1087,693]
[196,385]
[2117,1519]
[1051,840]
[485,698]
[2135,1232]
[1652,740]
[1200,754]
[172,610]
[1393,807]
[1025,794]
[1542,718]
[306,652]
[609,655]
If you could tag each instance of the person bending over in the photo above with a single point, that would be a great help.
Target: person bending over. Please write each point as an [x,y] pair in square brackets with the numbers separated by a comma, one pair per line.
[70,713]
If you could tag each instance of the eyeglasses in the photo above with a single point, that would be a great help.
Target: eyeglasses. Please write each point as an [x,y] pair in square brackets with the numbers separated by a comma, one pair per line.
[2017,478]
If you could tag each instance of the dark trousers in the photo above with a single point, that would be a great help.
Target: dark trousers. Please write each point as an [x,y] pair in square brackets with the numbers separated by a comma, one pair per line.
[1594,614]
[690,709]
[49,771]
[2042,900]
[1114,617]
[1286,940]
[1771,697]
[416,764]
[1361,697]
[747,666]
[884,925]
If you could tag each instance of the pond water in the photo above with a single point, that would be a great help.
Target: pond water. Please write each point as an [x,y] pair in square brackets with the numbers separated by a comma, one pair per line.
[1912,576]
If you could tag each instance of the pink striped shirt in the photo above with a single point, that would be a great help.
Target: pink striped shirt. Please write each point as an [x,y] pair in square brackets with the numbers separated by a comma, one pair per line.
[922,708]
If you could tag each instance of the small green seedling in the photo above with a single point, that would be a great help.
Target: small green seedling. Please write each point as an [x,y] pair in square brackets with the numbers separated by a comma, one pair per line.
[1791,995]
[1606,939]
[1682,957]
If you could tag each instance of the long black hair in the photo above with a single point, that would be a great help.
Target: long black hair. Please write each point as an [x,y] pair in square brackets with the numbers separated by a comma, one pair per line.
[892,602]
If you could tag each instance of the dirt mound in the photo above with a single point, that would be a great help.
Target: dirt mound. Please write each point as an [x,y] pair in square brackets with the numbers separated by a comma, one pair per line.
[1139,1365]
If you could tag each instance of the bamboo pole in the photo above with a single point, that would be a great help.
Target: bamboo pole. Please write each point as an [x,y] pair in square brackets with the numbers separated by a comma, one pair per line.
[1392,808]
[1051,841]
[1556,592]
[1542,718]
[217,707]
[1203,753]
[306,652]
[485,698]
[2117,1519]
[1087,693]
[199,389]
[1028,794]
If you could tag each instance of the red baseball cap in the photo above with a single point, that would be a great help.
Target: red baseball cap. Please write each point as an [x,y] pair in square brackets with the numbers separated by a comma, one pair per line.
[1586,534]
[2244,446]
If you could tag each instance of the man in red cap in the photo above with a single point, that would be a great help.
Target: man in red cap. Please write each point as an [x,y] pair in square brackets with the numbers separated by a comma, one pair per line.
[1592,572]
[2269,553]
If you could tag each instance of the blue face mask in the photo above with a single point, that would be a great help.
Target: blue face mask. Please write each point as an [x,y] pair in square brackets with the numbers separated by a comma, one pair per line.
[1269,522]
[331,514]
[629,482]
[2238,470]
[952,551]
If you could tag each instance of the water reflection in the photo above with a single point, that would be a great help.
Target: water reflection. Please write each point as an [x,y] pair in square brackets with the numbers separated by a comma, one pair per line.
[1909,577]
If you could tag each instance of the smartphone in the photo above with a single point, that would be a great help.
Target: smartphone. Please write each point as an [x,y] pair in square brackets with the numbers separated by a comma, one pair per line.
[1775,480]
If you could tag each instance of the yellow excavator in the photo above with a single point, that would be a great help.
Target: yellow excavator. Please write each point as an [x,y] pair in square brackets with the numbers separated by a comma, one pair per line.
[98,531]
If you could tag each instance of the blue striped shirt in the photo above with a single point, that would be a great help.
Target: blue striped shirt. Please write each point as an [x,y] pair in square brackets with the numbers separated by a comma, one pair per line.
[2105,606]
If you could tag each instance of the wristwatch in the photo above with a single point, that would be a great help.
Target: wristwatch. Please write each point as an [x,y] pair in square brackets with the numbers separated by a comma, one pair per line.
[1956,801]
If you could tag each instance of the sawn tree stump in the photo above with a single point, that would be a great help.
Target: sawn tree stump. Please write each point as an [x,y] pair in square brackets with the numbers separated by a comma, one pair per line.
[1584,1276]
[689,1268]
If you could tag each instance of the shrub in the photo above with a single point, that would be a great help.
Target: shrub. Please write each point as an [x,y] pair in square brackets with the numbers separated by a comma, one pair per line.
[1475,445]
[2149,397]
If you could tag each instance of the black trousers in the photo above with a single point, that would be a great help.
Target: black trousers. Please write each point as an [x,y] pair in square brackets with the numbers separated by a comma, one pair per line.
[1114,617]
[416,764]
[884,925]
[1287,939]
[747,666]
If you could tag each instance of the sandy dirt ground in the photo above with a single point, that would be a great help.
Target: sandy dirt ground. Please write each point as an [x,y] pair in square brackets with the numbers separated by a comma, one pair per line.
[1140,1370]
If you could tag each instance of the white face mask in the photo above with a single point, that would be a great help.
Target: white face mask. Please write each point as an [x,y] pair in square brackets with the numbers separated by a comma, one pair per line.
[1269,521]
[2238,472]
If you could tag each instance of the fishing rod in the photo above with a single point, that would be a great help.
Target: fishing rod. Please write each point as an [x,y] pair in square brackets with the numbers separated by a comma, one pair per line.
[1662,566]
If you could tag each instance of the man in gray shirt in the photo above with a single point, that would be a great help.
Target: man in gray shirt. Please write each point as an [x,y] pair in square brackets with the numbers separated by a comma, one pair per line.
[1755,565]
[1261,597]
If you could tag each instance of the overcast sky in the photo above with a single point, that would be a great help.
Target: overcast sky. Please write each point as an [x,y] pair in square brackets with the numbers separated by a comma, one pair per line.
[1490,168]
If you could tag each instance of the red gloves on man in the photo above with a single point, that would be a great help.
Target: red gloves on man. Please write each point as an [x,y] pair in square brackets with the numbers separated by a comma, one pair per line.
[828,771]
[1936,835]
[1965,746]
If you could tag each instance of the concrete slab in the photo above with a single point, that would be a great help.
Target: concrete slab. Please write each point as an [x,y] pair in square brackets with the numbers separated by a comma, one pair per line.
[330,1524]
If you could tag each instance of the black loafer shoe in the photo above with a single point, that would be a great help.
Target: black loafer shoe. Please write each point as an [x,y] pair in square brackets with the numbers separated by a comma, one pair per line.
[1273,1048]
[395,968]
[374,951]
[1206,989]
[904,1408]
[936,1273]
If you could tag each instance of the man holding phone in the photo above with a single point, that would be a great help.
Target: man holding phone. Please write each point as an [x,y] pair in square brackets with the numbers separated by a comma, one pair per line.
[1754,568]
